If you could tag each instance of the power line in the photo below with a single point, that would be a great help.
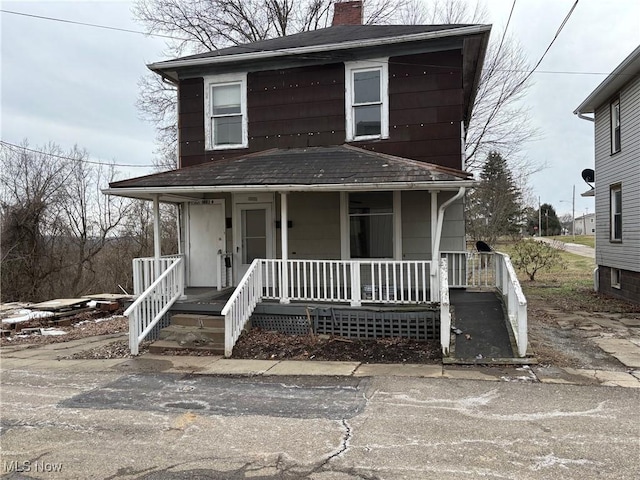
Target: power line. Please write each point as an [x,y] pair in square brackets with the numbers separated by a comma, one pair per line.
[564,22]
[321,57]
[63,157]
[94,25]
[504,33]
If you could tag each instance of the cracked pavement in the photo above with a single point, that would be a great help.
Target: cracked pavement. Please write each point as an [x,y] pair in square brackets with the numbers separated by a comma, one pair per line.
[110,425]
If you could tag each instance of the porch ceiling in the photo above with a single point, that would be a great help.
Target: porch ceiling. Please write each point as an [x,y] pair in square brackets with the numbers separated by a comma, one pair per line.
[335,168]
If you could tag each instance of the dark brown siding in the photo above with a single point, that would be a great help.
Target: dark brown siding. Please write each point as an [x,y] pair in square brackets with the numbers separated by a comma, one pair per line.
[425,108]
[191,122]
[629,284]
[302,107]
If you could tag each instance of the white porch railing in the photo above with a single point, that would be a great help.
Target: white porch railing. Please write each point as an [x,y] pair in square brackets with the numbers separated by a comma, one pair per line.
[156,300]
[376,281]
[144,271]
[471,269]
[239,307]
[352,281]
[507,283]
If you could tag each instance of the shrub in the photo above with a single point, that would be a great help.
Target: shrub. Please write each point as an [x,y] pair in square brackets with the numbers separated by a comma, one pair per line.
[531,256]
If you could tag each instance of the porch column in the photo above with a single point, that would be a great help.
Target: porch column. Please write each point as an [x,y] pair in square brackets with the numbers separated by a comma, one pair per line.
[435,284]
[284,238]
[157,251]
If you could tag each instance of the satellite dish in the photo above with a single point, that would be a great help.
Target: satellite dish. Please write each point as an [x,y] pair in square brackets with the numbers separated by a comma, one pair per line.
[589,176]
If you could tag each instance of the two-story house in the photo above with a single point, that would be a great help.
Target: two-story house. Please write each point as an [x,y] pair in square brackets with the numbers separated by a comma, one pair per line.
[323,166]
[615,104]
[585,224]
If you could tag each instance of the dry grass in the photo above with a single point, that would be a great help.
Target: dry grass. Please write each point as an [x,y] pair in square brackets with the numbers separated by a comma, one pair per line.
[569,288]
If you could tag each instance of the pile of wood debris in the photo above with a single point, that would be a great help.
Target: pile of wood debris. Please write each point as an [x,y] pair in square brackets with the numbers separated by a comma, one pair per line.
[61,320]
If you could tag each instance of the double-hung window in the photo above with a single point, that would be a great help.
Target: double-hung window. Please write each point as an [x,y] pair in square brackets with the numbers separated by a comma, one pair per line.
[225,112]
[615,126]
[366,97]
[616,213]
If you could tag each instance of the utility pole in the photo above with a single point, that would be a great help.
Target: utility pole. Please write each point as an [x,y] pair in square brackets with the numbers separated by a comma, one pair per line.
[546,214]
[539,218]
[573,212]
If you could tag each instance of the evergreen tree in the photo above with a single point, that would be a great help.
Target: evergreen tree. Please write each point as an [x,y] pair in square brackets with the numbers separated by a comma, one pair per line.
[495,206]
[550,223]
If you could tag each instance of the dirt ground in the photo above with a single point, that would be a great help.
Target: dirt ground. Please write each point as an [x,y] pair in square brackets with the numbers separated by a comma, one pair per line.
[562,329]
[266,345]
[561,333]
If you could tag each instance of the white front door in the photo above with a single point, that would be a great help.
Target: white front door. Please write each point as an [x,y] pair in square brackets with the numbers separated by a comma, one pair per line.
[206,241]
[253,235]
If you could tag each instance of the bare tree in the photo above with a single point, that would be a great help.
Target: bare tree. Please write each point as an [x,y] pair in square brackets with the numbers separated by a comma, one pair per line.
[55,221]
[499,122]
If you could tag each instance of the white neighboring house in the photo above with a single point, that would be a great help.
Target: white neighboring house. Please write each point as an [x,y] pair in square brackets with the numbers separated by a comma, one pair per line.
[615,104]
[586,224]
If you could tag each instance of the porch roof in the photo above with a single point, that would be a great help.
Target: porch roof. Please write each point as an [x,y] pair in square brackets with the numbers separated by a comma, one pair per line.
[334,168]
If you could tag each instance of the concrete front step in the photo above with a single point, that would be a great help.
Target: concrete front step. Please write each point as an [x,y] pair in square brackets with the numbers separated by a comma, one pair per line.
[190,334]
[162,346]
[195,320]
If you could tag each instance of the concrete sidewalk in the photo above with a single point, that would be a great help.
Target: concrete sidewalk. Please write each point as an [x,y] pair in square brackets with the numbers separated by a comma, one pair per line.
[576,248]
[51,358]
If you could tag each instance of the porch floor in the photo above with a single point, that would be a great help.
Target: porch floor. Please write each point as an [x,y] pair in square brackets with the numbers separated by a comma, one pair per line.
[204,300]
[481,316]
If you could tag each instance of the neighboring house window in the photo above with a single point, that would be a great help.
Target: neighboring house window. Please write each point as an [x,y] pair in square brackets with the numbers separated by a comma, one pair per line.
[371,224]
[367,102]
[615,126]
[226,112]
[616,213]
[615,277]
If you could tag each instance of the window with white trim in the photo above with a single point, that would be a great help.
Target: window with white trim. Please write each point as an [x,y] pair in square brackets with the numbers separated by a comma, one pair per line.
[615,126]
[616,213]
[367,100]
[371,224]
[226,112]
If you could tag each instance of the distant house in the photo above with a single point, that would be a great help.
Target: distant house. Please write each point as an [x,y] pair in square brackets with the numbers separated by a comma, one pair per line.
[586,224]
[615,104]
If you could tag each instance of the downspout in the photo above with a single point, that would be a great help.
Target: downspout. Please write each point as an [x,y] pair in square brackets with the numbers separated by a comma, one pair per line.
[436,244]
[435,254]
[596,278]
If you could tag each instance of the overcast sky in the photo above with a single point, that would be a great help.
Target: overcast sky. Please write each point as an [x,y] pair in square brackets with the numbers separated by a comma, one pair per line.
[73,84]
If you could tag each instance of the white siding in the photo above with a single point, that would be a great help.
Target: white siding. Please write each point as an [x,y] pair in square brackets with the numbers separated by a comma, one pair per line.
[623,168]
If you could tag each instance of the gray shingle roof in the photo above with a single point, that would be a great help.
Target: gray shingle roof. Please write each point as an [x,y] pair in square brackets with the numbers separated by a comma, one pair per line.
[326,36]
[345,165]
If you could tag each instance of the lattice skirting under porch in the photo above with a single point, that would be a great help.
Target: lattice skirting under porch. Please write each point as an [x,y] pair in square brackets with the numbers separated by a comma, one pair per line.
[353,323]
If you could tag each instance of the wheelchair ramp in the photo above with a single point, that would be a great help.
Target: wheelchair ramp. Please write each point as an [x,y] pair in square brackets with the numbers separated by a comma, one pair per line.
[481,319]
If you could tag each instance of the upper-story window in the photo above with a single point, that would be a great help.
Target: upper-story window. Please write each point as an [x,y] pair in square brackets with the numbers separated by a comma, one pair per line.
[225,111]
[616,213]
[367,100]
[615,126]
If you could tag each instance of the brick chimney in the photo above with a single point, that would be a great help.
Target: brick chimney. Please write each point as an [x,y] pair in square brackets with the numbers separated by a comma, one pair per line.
[347,13]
